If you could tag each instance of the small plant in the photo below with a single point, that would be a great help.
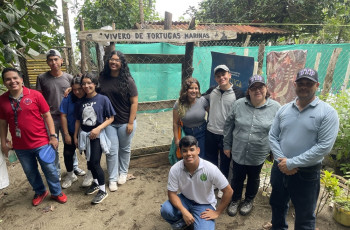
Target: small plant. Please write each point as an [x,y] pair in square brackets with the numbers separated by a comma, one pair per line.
[345,169]
[267,172]
[331,189]
[343,200]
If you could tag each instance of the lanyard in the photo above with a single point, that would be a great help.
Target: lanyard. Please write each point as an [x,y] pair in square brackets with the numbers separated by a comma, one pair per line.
[16,108]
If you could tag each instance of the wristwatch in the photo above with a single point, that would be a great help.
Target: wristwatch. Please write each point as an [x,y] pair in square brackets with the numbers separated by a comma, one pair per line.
[54,135]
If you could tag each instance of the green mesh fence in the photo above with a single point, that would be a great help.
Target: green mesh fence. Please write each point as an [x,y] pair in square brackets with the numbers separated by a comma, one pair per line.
[162,81]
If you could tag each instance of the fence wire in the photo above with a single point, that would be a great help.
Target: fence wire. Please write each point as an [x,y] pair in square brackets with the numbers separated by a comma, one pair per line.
[157,69]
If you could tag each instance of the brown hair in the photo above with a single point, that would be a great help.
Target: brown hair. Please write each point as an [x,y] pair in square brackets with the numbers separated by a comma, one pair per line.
[183,103]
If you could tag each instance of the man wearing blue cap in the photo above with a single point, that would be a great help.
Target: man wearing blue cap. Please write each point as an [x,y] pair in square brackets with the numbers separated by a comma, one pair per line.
[302,133]
[24,112]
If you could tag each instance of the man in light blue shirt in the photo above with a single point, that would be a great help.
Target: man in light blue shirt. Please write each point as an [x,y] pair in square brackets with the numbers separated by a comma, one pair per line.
[302,133]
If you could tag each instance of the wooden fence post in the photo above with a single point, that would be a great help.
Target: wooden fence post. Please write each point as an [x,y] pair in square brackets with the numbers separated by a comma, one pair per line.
[82,48]
[187,68]
[327,84]
[261,58]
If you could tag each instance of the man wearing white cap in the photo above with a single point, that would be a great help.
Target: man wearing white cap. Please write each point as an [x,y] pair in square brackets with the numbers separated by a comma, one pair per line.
[52,85]
[220,101]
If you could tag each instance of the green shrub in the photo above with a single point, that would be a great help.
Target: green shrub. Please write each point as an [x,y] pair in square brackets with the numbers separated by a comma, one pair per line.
[341,103]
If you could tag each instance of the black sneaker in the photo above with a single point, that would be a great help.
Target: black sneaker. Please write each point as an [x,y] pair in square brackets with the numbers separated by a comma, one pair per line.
[233,208]
[92,189]
[100,196]
[246,208]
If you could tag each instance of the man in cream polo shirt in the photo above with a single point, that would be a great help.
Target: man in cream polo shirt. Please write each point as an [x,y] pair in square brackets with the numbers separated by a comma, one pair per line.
[194,178]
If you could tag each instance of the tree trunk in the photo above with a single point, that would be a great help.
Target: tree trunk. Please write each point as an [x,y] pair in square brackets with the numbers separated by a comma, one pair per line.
[71,68]
[142,16]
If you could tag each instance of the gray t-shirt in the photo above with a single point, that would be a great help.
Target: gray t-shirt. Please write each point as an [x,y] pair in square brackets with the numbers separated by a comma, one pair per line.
[53,89]
[195,116]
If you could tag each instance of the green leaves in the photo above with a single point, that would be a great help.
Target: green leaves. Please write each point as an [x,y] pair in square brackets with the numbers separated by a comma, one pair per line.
[341,103]
[28,24]
[124,14]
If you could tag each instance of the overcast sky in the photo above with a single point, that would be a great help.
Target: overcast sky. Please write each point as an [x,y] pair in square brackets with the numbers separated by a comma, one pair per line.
[176,7]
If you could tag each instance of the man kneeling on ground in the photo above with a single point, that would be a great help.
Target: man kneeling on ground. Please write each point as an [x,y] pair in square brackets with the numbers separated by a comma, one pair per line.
[194,178]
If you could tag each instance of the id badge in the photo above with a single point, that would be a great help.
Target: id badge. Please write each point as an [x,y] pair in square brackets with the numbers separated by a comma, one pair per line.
[18,133]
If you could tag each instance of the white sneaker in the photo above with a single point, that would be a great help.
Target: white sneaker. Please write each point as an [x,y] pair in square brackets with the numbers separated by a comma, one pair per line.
[113,186]
[122,178]
[220,193]
[87,179]
[68,180]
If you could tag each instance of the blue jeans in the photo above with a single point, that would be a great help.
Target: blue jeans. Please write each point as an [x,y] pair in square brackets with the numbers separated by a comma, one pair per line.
[58,129]
[199,134]
[303,189]
[119,157]
[172,214]
[28,159]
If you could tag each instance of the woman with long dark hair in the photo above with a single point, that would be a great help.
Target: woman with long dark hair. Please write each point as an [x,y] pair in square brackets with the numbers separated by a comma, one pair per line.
[190,110]
[118,85]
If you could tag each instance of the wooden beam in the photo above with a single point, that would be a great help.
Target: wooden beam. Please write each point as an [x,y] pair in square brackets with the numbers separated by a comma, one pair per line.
[247,40]
[346,79]
[150,161]
[149,150]
[261,53]
[148,35]
[317,61]
[82,48]
[327,84]
[168,21]
[155,105]
[187,66]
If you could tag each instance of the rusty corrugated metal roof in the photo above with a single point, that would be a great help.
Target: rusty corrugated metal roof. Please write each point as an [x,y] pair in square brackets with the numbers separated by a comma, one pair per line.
[240,29]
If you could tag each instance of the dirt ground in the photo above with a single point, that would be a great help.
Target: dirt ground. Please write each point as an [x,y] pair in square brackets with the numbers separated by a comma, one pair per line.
[135,205]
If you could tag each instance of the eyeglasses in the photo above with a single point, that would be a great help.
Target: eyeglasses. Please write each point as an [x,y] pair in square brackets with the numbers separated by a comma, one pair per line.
[115,60]
[255,88]
[305,84]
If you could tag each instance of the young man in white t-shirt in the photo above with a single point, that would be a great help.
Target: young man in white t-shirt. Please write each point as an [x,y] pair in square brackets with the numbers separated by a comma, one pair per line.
[195,179]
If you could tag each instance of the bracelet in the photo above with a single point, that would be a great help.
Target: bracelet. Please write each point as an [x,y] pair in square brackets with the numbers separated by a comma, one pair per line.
[54,135]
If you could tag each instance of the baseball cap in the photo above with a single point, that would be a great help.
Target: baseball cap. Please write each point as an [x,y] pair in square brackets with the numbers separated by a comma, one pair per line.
[254,79]
[223,67]
[53,52]
[47,154]
[307,73]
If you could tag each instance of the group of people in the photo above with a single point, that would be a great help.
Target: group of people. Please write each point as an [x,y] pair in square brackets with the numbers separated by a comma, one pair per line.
[98,111]
[222,127]
[244,130]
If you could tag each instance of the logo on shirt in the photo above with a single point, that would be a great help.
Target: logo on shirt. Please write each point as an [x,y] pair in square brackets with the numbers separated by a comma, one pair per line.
[203,177]
[27,101]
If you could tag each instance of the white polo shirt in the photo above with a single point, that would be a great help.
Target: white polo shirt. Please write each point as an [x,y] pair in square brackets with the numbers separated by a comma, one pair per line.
[199,186]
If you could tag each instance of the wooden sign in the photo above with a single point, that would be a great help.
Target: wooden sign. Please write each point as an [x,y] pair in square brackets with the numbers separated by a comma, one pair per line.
[180,36]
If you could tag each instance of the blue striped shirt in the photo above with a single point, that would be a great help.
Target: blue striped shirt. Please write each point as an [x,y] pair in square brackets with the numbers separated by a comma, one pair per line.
[304,137]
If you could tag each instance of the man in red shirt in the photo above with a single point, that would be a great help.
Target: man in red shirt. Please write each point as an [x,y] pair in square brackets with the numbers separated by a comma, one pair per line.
[25,112]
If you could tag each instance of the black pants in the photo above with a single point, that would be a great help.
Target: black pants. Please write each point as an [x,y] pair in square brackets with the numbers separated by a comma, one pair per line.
[95,161]
[213,147]
[239,173]
[68,152]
